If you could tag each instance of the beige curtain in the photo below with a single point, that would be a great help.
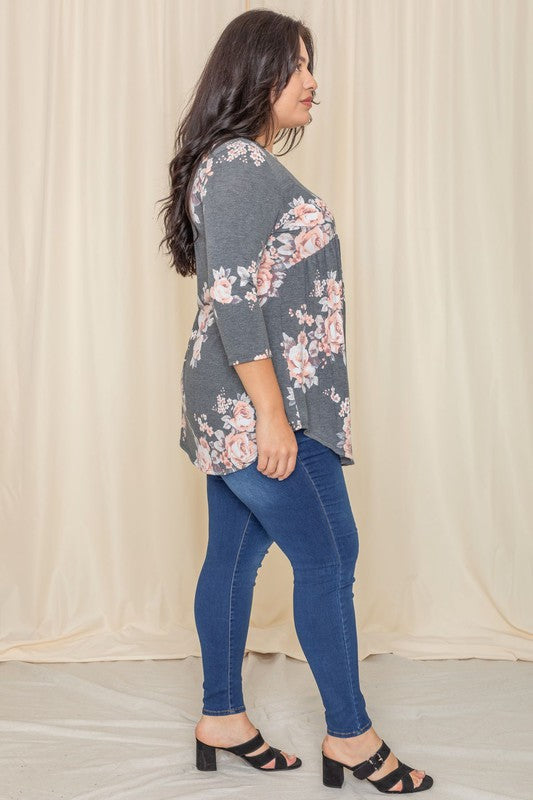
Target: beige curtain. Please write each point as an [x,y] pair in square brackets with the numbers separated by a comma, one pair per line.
[422,147]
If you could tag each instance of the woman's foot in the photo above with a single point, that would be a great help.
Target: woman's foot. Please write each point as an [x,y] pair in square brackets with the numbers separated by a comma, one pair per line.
[227,730]
[354,749]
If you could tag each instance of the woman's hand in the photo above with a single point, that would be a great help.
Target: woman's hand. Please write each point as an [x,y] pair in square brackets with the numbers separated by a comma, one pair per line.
[276,445]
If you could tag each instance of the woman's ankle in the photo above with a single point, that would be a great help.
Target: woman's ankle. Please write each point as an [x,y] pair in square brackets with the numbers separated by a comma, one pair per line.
[224,721]
[363,740]
[222,718]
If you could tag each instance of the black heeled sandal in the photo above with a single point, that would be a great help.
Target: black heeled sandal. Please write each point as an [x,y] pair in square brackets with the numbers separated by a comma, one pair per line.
[333,773]
[206,757]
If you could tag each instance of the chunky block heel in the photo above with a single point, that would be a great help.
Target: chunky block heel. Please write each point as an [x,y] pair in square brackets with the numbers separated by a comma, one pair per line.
[332,772]
[206,756]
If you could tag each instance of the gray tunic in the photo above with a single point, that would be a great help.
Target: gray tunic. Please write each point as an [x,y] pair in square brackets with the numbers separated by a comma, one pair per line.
[269,285]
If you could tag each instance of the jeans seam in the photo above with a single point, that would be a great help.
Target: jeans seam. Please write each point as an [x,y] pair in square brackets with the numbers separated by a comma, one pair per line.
[351,733]
[230,616]
[224,711]
[338,586]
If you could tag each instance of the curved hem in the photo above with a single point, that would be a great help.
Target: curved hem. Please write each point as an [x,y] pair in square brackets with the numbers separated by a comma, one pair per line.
[345,463]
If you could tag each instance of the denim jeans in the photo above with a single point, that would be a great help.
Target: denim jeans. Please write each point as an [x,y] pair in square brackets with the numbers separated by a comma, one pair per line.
[308,516]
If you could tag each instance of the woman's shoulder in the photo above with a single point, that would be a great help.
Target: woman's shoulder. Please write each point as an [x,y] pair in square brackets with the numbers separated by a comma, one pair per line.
[239,162]
[238,173]
[239,149]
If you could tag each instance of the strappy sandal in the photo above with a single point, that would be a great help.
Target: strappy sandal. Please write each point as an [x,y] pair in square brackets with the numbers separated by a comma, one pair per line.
[333,773]
[206,757]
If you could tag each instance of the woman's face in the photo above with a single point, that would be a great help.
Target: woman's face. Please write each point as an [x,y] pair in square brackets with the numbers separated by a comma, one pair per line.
[289,110]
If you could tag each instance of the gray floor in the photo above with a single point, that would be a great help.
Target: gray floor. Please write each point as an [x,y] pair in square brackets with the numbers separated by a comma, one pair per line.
[125,729]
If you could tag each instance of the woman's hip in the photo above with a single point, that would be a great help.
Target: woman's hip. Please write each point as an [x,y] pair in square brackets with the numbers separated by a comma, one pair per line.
[308,514]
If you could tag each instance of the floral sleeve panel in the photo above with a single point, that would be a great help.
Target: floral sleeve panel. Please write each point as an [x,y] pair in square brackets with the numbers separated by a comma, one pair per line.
[235,201]
[270,286]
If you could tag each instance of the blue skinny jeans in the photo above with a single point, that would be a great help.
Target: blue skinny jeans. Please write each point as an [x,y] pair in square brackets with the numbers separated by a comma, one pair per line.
[309,517]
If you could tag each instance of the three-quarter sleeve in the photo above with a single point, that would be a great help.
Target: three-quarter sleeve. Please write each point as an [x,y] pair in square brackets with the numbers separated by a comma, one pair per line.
[240,205]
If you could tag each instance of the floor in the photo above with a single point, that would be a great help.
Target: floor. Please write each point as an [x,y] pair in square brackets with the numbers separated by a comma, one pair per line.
[117,730]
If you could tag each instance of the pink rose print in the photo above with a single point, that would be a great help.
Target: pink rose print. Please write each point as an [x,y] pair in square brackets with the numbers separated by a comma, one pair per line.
[330,292]
[223,280]
[306,215]
[240,449]
[199,186]
[204,319]
[243,416]
[221,288]
[344,436]
[202,455]
[309,242]
[304,229]
[299,364]
[264,279]
[321,339]
[196,350]
[347,430]
[335,293]
[334,332]
[243,151]
[312,339]
[234,444]
[205,310]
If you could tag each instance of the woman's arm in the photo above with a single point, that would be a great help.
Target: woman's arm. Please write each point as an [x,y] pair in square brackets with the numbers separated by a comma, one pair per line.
[276,443]
[239,209]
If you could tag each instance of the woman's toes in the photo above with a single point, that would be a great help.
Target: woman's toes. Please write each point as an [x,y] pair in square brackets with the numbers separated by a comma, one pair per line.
[271,764]
[417,776]
[289,758]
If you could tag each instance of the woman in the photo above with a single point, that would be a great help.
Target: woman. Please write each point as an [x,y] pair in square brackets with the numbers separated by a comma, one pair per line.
[265,397]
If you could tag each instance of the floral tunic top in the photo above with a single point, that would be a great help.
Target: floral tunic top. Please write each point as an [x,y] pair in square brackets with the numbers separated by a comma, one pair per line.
[269,285]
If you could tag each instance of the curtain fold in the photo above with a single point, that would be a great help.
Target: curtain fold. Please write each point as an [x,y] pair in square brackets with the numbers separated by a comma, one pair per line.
[421,146]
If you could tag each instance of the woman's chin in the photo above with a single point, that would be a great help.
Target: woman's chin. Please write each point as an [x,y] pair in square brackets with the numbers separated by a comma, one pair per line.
[304,118]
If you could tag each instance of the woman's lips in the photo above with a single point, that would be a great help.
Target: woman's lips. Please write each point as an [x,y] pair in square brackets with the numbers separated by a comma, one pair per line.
[308,103]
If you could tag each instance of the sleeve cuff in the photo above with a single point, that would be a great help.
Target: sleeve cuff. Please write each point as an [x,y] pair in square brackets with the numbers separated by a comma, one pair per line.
[246,357]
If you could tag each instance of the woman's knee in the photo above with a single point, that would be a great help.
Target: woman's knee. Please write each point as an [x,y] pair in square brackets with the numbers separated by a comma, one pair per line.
[347,543]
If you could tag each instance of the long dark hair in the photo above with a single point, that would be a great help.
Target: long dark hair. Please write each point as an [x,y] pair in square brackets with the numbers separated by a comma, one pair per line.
[252,61]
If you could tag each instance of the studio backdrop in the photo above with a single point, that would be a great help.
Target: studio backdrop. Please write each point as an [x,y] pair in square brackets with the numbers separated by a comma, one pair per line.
[422,147]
